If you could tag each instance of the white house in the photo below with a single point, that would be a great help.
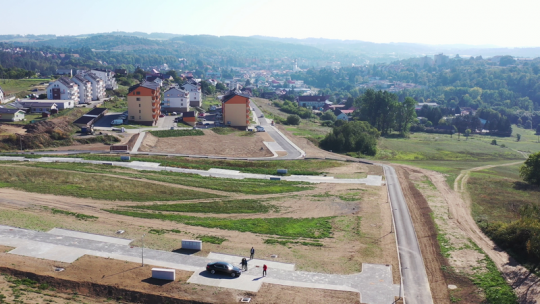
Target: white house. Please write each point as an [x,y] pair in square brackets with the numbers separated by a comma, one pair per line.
[98,86]
[314,102]
[195,94]
[343,114]
[7,114]
[107,76]
[39,107]
[63,89]
[175,100]
[85,88]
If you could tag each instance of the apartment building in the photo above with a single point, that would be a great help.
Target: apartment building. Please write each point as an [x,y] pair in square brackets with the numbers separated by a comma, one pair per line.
[63,89]
[144,103]
[175,100]
[85,88]
[195,94]
[236,109]
[98,86]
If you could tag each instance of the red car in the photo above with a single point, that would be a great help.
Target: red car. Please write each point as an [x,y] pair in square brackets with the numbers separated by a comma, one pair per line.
[162,115]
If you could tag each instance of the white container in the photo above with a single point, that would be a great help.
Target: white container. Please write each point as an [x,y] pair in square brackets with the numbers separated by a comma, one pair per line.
[192,244]
[164,274]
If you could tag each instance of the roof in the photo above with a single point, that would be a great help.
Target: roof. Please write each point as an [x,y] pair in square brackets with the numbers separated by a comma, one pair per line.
[80,78]
[67,82]
[189,114]
[83,120]
[312,98]
[38,104]
[173,89]
[232,94]
[9,111]
[150,85]
[93,76]
[96,111]
[347,111]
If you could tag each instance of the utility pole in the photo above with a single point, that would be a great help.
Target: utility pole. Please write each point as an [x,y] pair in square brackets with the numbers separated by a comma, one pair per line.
[142,252]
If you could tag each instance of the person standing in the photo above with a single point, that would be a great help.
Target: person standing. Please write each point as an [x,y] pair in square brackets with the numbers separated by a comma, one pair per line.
[252,253]
[264,270]
[244,264]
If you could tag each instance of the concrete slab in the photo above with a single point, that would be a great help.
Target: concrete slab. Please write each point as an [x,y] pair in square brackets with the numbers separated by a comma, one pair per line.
[223,171]
[235,260]
[49,252]
[89,236]
[274,146]
[144,164]
[244,282]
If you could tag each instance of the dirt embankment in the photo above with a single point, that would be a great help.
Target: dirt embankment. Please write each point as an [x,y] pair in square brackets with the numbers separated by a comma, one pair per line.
[525,284]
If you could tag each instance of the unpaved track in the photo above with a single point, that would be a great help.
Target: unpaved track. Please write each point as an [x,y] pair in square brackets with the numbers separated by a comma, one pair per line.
[526,285]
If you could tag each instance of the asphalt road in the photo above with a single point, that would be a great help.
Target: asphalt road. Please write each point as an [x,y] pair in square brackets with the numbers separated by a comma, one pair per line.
[292,151]
[413,272]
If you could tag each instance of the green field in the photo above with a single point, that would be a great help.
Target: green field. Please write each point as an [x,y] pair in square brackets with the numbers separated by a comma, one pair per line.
[245,186]
[298,167]
[315,228]
[47,181]
[497,194]
[217,207]
[176,133]
[20,86]
[210,101]
[116,105]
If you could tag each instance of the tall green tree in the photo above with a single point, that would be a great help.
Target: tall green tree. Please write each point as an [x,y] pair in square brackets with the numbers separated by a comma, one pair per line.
[530,170]
[379,109]
[405,115]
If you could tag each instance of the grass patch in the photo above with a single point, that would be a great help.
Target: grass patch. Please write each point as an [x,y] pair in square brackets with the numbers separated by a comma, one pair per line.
[297,167]
[176,133]
[42,180]
[116,105]
[224,130]
[218,207]
[492,282]
[78,216]
[350,197]
[497,194]
[20,86]
[442,239]
[246,186]
[315,228]
[287,242]
[211,239]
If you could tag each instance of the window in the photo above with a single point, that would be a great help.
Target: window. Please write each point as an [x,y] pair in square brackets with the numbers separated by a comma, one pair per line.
[138,99]
[132,117]
[139,105]
[138,93]
[139,111]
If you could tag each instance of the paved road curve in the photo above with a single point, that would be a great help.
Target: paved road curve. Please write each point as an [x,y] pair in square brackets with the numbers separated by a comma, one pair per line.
[413,272]
[292,151]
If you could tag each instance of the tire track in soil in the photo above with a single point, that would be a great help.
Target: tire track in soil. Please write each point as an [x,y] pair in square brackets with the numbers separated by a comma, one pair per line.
[525,285]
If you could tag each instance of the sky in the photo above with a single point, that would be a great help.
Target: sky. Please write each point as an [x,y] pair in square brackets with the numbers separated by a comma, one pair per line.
[474,22]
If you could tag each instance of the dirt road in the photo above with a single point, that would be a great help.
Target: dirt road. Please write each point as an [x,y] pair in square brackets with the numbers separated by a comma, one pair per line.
[526,285]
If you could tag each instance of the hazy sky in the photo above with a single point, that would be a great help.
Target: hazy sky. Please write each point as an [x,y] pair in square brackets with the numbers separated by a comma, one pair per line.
[513,23]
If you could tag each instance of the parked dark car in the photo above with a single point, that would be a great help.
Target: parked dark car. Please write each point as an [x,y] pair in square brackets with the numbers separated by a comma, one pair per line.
[223,267]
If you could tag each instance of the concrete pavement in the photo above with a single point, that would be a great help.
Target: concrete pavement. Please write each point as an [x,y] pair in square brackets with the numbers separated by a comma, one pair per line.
[374,283]
[413,271]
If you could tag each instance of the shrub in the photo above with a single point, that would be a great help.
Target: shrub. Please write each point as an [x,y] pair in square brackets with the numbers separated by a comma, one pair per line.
[357,136]
[293,120]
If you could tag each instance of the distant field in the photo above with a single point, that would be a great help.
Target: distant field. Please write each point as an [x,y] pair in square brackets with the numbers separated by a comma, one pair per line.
[224,207]
[497,194]
[14,86]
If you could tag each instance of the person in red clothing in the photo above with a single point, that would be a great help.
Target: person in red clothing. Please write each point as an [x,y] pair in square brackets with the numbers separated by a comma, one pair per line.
[264,270]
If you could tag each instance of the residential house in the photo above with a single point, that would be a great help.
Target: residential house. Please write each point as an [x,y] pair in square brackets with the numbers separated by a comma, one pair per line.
[40,107]
[98,86]
[429,104]
[144,103]
[236,109]
[7,114]
[107,76]
[155,79]
[343,114]
[190,118]
[85,88]
[67,72]
[175,100]
[88,119]
[195,94]
[2,96]
[60,104]
[313,102]
[63,89]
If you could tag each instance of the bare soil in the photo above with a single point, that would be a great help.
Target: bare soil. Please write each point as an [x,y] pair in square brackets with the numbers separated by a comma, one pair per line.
[460,222]
[373,245]
[125,139]
[231,145]
[6,129]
